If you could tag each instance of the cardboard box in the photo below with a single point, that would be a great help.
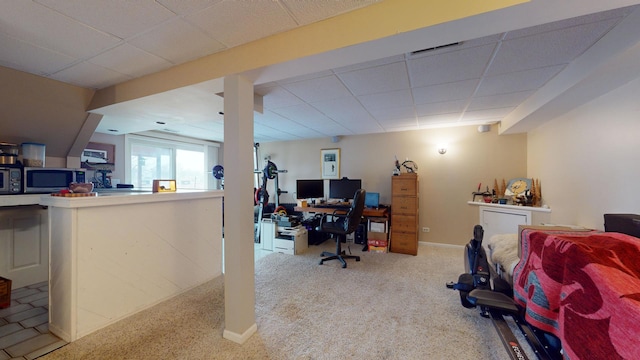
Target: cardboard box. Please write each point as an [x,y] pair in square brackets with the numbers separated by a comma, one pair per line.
[377,249]
[384,243]
[378,224]
[374,235]
[5,293]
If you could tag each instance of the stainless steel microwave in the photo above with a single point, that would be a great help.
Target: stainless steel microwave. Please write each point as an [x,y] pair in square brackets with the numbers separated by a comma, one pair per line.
[49,180]
[10,180]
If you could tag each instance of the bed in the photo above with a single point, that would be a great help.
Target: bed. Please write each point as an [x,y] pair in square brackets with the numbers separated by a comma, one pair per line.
[581,286]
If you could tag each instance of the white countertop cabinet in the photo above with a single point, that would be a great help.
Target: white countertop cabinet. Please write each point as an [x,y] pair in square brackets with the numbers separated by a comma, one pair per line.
[112,256]
[24,245]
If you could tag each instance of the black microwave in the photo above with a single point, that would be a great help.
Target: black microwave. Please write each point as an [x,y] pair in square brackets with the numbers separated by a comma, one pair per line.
[49,180]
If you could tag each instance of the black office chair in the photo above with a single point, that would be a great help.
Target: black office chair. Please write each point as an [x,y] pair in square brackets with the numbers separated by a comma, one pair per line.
[342,225]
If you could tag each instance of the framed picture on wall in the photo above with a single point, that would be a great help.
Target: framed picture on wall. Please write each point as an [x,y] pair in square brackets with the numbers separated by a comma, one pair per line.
[330,163]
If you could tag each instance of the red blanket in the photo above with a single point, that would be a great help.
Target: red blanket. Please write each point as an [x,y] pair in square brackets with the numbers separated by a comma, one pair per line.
[585,289]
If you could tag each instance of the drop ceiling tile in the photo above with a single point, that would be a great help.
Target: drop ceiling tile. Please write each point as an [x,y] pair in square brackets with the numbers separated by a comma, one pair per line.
[386,114]
[567,23]
[370,64]
[449,67]
[311,76]
[123,125]
[487,114]
[237,22]
[89,75]
[318,89]
[25,57]
[130,60]
[304,113]
[182,7]
[399,98]
[306,12]
[439,120]
[444,92]
[122,18]
[377,79]
[496,101]
[362,127]
[519,81]
[343,109]
[407,125]
[546,49]
[276,97]
[43,27]
[330,129]
[275,121]
[161,42]
[445,107]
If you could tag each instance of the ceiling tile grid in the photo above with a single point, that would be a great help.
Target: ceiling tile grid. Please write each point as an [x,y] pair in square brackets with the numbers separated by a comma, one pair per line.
[451,66]
[237,22]
[161,42]
[121,18]
[98,43]
[23,56]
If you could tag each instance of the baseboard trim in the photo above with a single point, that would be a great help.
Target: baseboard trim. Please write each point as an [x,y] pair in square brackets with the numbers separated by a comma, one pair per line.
[240,338]
[450,246]
[65,336]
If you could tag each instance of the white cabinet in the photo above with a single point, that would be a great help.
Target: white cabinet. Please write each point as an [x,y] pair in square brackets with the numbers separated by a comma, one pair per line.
[24,245]
[504,219]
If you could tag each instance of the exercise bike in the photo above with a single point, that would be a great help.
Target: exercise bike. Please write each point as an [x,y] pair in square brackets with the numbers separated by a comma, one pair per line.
[480,287]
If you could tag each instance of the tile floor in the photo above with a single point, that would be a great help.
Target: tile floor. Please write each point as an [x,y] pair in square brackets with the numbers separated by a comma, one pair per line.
[24,326]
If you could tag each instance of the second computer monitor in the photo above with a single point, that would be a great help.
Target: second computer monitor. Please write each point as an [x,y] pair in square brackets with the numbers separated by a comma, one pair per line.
[309,189]
[344,188]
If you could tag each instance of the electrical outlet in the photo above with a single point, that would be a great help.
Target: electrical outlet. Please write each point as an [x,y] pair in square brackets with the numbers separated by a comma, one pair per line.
[425,229]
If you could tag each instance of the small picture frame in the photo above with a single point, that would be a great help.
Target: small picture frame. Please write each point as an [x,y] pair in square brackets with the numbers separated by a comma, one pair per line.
[330,163]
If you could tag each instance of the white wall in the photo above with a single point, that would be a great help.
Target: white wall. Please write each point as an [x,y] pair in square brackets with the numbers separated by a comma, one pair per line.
[446,182]
[589,159]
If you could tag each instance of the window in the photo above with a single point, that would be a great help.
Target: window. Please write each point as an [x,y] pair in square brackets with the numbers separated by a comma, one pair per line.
[187,161]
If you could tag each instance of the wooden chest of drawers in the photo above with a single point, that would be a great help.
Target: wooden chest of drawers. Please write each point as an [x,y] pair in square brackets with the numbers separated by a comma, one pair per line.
[404,214]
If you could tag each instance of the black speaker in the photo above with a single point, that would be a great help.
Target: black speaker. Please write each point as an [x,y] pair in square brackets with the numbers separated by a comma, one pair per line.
[360,236]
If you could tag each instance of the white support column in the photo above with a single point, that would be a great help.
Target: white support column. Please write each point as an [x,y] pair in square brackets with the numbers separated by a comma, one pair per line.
[239,284]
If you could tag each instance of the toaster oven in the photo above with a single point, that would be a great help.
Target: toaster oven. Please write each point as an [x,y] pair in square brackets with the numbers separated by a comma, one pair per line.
[10,180]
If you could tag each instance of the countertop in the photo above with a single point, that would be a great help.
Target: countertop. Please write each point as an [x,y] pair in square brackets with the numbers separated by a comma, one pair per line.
[109,198]
[505,206]
[18,200]
[106,197]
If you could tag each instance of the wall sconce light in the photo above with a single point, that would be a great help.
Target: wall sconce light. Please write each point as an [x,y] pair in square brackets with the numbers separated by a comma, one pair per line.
[442,150]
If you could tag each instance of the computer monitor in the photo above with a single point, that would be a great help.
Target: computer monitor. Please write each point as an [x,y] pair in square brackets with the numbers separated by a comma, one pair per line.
[309,189]
[344,188]
[372,200]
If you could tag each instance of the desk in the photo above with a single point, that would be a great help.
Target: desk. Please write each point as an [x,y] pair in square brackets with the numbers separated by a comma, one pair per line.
[381,212]
[368,212]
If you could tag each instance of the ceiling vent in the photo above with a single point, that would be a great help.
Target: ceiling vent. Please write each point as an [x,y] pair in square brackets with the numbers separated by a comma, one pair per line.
[418,52]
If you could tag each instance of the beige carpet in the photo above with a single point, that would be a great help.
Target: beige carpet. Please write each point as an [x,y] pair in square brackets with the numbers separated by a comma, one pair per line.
[387,306]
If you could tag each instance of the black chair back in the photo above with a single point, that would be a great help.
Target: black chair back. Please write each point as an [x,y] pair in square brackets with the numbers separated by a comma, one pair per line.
[355,213]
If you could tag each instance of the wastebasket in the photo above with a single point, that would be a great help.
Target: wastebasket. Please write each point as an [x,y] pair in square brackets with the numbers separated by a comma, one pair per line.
[5,293]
